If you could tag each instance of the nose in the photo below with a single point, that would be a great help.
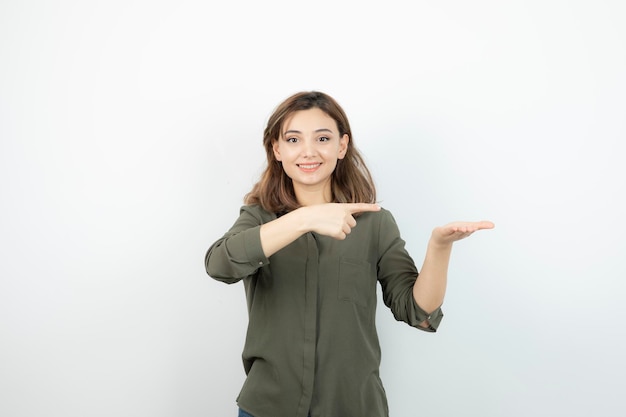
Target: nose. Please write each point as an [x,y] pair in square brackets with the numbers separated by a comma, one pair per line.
[308,148]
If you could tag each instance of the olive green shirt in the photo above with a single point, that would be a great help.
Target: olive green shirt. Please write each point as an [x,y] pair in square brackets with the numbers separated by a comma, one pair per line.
[311,343]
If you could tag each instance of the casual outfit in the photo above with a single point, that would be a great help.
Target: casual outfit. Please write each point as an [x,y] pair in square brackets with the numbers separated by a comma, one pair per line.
[311,344]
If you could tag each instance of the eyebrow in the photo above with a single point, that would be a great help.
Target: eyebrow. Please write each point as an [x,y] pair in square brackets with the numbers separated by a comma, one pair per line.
[316,131]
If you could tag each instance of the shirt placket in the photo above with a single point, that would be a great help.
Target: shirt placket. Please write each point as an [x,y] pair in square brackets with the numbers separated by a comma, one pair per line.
[310,324]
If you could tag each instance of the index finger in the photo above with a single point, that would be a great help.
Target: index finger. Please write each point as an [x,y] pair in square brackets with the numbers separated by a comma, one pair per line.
[361,207]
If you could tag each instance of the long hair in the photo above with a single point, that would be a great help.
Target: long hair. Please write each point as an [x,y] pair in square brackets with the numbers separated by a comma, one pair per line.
[351,180]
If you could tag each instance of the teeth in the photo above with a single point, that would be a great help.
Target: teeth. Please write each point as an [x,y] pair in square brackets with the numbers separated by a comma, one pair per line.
[309,166]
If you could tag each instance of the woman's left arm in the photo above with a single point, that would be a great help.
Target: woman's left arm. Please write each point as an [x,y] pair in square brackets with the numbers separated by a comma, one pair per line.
[430,287]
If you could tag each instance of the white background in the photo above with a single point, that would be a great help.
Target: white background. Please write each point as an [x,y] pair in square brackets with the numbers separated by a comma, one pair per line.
[130,131]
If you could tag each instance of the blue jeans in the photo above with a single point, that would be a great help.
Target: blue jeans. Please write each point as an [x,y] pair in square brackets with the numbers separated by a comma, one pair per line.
[244,414]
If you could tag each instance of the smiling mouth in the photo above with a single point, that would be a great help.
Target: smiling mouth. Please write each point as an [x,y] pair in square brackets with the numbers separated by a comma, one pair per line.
[309,166]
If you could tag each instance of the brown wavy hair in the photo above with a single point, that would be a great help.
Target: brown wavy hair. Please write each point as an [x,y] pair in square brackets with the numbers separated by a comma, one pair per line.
[351,180]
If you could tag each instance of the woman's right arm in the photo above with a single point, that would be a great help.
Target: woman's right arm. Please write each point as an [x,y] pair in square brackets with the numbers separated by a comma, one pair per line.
[252,240]
[332,219]
[279,233]
[238,253]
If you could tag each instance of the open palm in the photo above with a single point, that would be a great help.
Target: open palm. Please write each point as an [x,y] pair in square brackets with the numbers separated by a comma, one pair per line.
[454,231]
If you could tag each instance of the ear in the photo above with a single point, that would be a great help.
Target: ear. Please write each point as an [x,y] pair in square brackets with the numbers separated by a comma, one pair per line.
[276,150]
[343,146]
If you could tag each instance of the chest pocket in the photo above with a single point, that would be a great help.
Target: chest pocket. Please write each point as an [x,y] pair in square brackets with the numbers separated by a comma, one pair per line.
[356,283]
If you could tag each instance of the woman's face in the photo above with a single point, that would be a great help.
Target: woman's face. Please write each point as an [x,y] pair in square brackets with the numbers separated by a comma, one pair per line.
[309,147]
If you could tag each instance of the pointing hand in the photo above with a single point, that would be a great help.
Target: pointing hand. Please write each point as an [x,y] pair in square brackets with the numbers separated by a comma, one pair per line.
[336,219]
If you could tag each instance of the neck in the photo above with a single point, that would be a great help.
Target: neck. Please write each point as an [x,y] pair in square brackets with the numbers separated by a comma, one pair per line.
[319,195]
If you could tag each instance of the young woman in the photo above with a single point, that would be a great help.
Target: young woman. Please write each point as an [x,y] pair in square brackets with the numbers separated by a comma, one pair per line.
[310,245]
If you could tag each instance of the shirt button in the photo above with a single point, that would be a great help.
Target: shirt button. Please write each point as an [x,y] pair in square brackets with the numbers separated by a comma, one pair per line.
[260,262]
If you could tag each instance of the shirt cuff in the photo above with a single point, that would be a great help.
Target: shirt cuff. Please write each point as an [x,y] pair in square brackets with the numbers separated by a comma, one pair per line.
[419,316]
[254,249]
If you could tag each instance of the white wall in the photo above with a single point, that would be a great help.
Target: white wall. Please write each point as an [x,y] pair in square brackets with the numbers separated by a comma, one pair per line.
[130,131]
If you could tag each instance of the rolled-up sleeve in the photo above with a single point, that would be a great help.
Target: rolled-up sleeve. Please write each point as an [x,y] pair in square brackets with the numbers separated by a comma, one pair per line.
[239,252]
[397,274]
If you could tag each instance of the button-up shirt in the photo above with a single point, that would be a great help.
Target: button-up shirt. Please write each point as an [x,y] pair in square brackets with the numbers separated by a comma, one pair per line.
[311,343]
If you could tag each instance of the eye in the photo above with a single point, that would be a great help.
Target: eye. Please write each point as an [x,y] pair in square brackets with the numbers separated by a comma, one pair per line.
[324,139]
[291,140]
